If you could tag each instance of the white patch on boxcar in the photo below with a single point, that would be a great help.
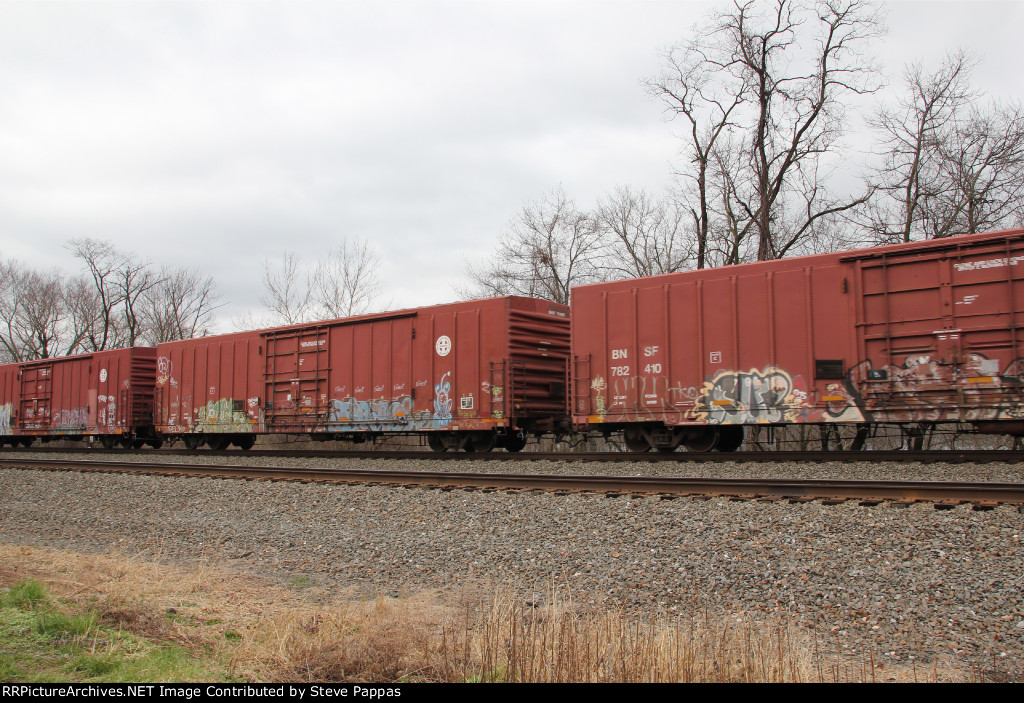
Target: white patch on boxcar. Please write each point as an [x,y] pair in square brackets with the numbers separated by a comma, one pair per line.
[988,263]
[443,345]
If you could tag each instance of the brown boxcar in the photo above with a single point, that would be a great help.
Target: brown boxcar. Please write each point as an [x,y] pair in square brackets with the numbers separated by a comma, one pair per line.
[208,389]
[470,375]
[9,401]
[909,333]
[107,395]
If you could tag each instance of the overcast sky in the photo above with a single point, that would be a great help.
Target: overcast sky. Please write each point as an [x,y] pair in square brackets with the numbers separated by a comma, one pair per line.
[218,134]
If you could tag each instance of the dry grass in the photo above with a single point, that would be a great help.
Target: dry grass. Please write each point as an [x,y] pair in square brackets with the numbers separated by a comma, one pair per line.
[515,642]
[267,631]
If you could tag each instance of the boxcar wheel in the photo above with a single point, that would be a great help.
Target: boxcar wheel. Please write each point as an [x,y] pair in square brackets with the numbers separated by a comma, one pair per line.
[730,438]
[705,440]
[635,440]
[245,442]
[193,442]
[435,442]
[480,442]
[108,441]
[219,443]
[515,442]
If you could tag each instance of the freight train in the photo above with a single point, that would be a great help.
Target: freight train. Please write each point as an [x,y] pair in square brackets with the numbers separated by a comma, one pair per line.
[902,335]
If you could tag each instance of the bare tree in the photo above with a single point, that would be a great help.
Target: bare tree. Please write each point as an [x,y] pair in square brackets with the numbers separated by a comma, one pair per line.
[642,236]
[911,134]
[798,113]
[286,290]
[951,165]
[982,162]
[763,88]
[12,337]
[548,248]
[346,283]
[119,281]
[729,241]
[133,281]
[34,314]
[83,308]
[700,85]
[179,306]
[102,262]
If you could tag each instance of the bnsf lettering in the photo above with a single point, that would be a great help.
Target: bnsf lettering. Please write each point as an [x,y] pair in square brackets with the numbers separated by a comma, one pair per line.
[620,353]
[650,351]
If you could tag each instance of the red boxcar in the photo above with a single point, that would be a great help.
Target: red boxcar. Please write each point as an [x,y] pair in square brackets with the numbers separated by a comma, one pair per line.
[8,402]
[920,332]
[470,375]
[106,394]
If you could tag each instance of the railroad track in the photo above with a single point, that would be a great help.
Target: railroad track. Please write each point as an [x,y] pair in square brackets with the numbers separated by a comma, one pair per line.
[966,456]
[943,494]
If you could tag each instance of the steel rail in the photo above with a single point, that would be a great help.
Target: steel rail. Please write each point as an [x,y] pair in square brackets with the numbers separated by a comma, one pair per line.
[896,456]
[948,493]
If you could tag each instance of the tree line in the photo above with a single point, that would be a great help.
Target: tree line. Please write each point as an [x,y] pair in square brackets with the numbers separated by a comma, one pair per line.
[118,300]
[764,91]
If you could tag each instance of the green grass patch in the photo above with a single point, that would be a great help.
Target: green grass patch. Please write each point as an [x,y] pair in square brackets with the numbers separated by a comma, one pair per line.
[25,595]
[42,640]
[300,582]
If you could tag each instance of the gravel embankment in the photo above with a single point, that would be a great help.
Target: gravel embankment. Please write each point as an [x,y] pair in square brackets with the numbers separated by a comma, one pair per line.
[895,582]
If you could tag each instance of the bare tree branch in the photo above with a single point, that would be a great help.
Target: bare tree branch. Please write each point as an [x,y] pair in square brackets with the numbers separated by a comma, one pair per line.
[642,237]
[762,87]
[346,283]
[286,291]
[179,306]
[548,248]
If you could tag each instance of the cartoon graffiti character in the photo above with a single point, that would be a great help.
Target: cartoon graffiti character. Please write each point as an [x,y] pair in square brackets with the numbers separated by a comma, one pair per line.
[443,402]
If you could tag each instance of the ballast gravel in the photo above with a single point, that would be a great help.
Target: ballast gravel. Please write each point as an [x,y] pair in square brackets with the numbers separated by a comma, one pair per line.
[895,584]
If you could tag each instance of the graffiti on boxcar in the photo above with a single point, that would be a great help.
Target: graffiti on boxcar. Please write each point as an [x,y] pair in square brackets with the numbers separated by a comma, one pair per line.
[443,402]
[923,389]
[653,392]
[222,416]
[5,418]
[73,420]
[659,399]
[164,371]
[497,394]
[599,385]
[383,415]
[106,413]
[375,415]
[839,405]
[768,396]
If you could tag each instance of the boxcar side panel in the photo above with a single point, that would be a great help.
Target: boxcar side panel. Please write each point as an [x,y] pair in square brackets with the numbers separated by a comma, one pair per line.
[757,344]
[8,401]
[939,331]
[210,385]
